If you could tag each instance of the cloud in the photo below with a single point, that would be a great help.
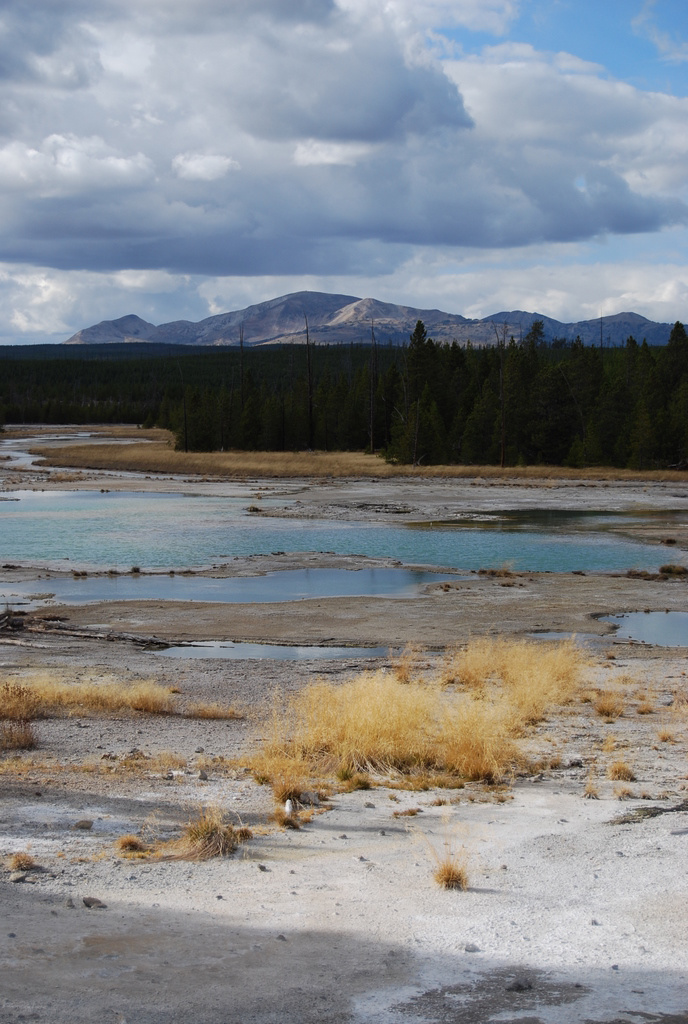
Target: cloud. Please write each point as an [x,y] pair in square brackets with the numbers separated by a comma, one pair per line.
[670,47]
[322,138]
[203,166]
[66,164]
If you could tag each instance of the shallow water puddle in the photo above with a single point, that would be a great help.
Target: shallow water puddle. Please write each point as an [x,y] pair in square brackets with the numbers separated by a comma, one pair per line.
[284,585]
[662,629]
[280,652]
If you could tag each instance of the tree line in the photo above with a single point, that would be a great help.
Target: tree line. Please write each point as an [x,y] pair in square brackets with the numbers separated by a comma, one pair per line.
[515,403]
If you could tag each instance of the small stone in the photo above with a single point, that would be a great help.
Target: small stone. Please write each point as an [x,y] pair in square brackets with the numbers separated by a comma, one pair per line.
[18,876]
[369,803]
[93,903]
[85,824]
[471,947]
[503,867]
[520,985]
[69,903]
[200,750]
[203,775]
[11,935]
[263,867]
[343,836]
[594,922]
[219,897]
[282,938]
[615,967]
[382,832]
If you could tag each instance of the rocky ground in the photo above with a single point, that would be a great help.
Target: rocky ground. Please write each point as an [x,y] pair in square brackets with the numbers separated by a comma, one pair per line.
[575,908]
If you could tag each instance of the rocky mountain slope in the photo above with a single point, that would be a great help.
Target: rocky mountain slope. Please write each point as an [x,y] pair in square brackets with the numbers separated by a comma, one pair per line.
[343,319]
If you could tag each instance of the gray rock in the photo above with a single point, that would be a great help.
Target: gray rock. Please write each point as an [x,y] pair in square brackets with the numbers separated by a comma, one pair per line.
[18,876]
[85,824]
[309,798]
[93,903]
[471,947]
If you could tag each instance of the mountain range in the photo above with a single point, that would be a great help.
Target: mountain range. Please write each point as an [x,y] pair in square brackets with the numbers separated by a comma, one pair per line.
[344,319]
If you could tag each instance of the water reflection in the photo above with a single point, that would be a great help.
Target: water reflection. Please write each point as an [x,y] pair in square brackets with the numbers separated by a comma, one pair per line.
[87,529]
[285,585]
[663,629]
[280,652]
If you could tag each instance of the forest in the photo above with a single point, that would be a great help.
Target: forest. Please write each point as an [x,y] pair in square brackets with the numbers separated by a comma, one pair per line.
[516,403]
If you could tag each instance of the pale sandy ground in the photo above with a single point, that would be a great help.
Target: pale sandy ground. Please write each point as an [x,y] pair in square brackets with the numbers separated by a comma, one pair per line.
[571,915]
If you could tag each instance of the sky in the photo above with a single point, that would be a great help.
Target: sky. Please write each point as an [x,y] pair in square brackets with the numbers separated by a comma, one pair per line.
[178,160]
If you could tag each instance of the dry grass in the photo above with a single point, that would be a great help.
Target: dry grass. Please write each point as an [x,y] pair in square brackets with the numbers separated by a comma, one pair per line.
[45,695]
[533,676]
[665,735]
[621,771]
[18,735]
[209,835]
[407,665]
[450,873]
[22,861]
[18,703]
[377,724]
[624,793]
[131,844]
[285,820]
[159,456]
[591,792]
[609,705]
[215,712]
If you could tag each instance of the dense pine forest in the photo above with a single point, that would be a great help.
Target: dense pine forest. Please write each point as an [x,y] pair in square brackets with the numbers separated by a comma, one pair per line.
[516,403]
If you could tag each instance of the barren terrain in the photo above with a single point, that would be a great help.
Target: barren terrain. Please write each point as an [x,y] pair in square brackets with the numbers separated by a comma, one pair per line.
[575,908]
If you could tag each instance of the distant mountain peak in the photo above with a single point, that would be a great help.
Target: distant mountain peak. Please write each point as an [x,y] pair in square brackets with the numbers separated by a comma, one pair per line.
[345,319]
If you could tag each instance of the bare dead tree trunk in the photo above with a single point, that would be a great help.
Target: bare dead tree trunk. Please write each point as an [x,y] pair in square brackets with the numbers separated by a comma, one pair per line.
[373,385]
[241,367]
[310,385]
[501,343]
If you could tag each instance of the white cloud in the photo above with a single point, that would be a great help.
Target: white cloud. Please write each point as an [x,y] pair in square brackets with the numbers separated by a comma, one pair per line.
[670,46]
[62,164]
[360,152]
[312,152]
[203,166]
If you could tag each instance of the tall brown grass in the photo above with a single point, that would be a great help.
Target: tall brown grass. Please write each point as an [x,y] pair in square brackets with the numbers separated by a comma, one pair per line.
[159,456]
[18,734]
[531,676]
[376,723]
[45,695]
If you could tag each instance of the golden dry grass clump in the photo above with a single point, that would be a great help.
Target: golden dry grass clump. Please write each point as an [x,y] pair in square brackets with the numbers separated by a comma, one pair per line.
[44,695]
[212,711]
[621,771]
[380,724]
[22,861]
[532,676]
[131,844]
[18,703]
[609,705]
[451,874]
[19,735]
[209,835]
[18,708]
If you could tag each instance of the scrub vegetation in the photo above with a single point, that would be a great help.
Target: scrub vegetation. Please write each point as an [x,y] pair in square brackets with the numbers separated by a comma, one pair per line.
[461,722]
[43,696]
